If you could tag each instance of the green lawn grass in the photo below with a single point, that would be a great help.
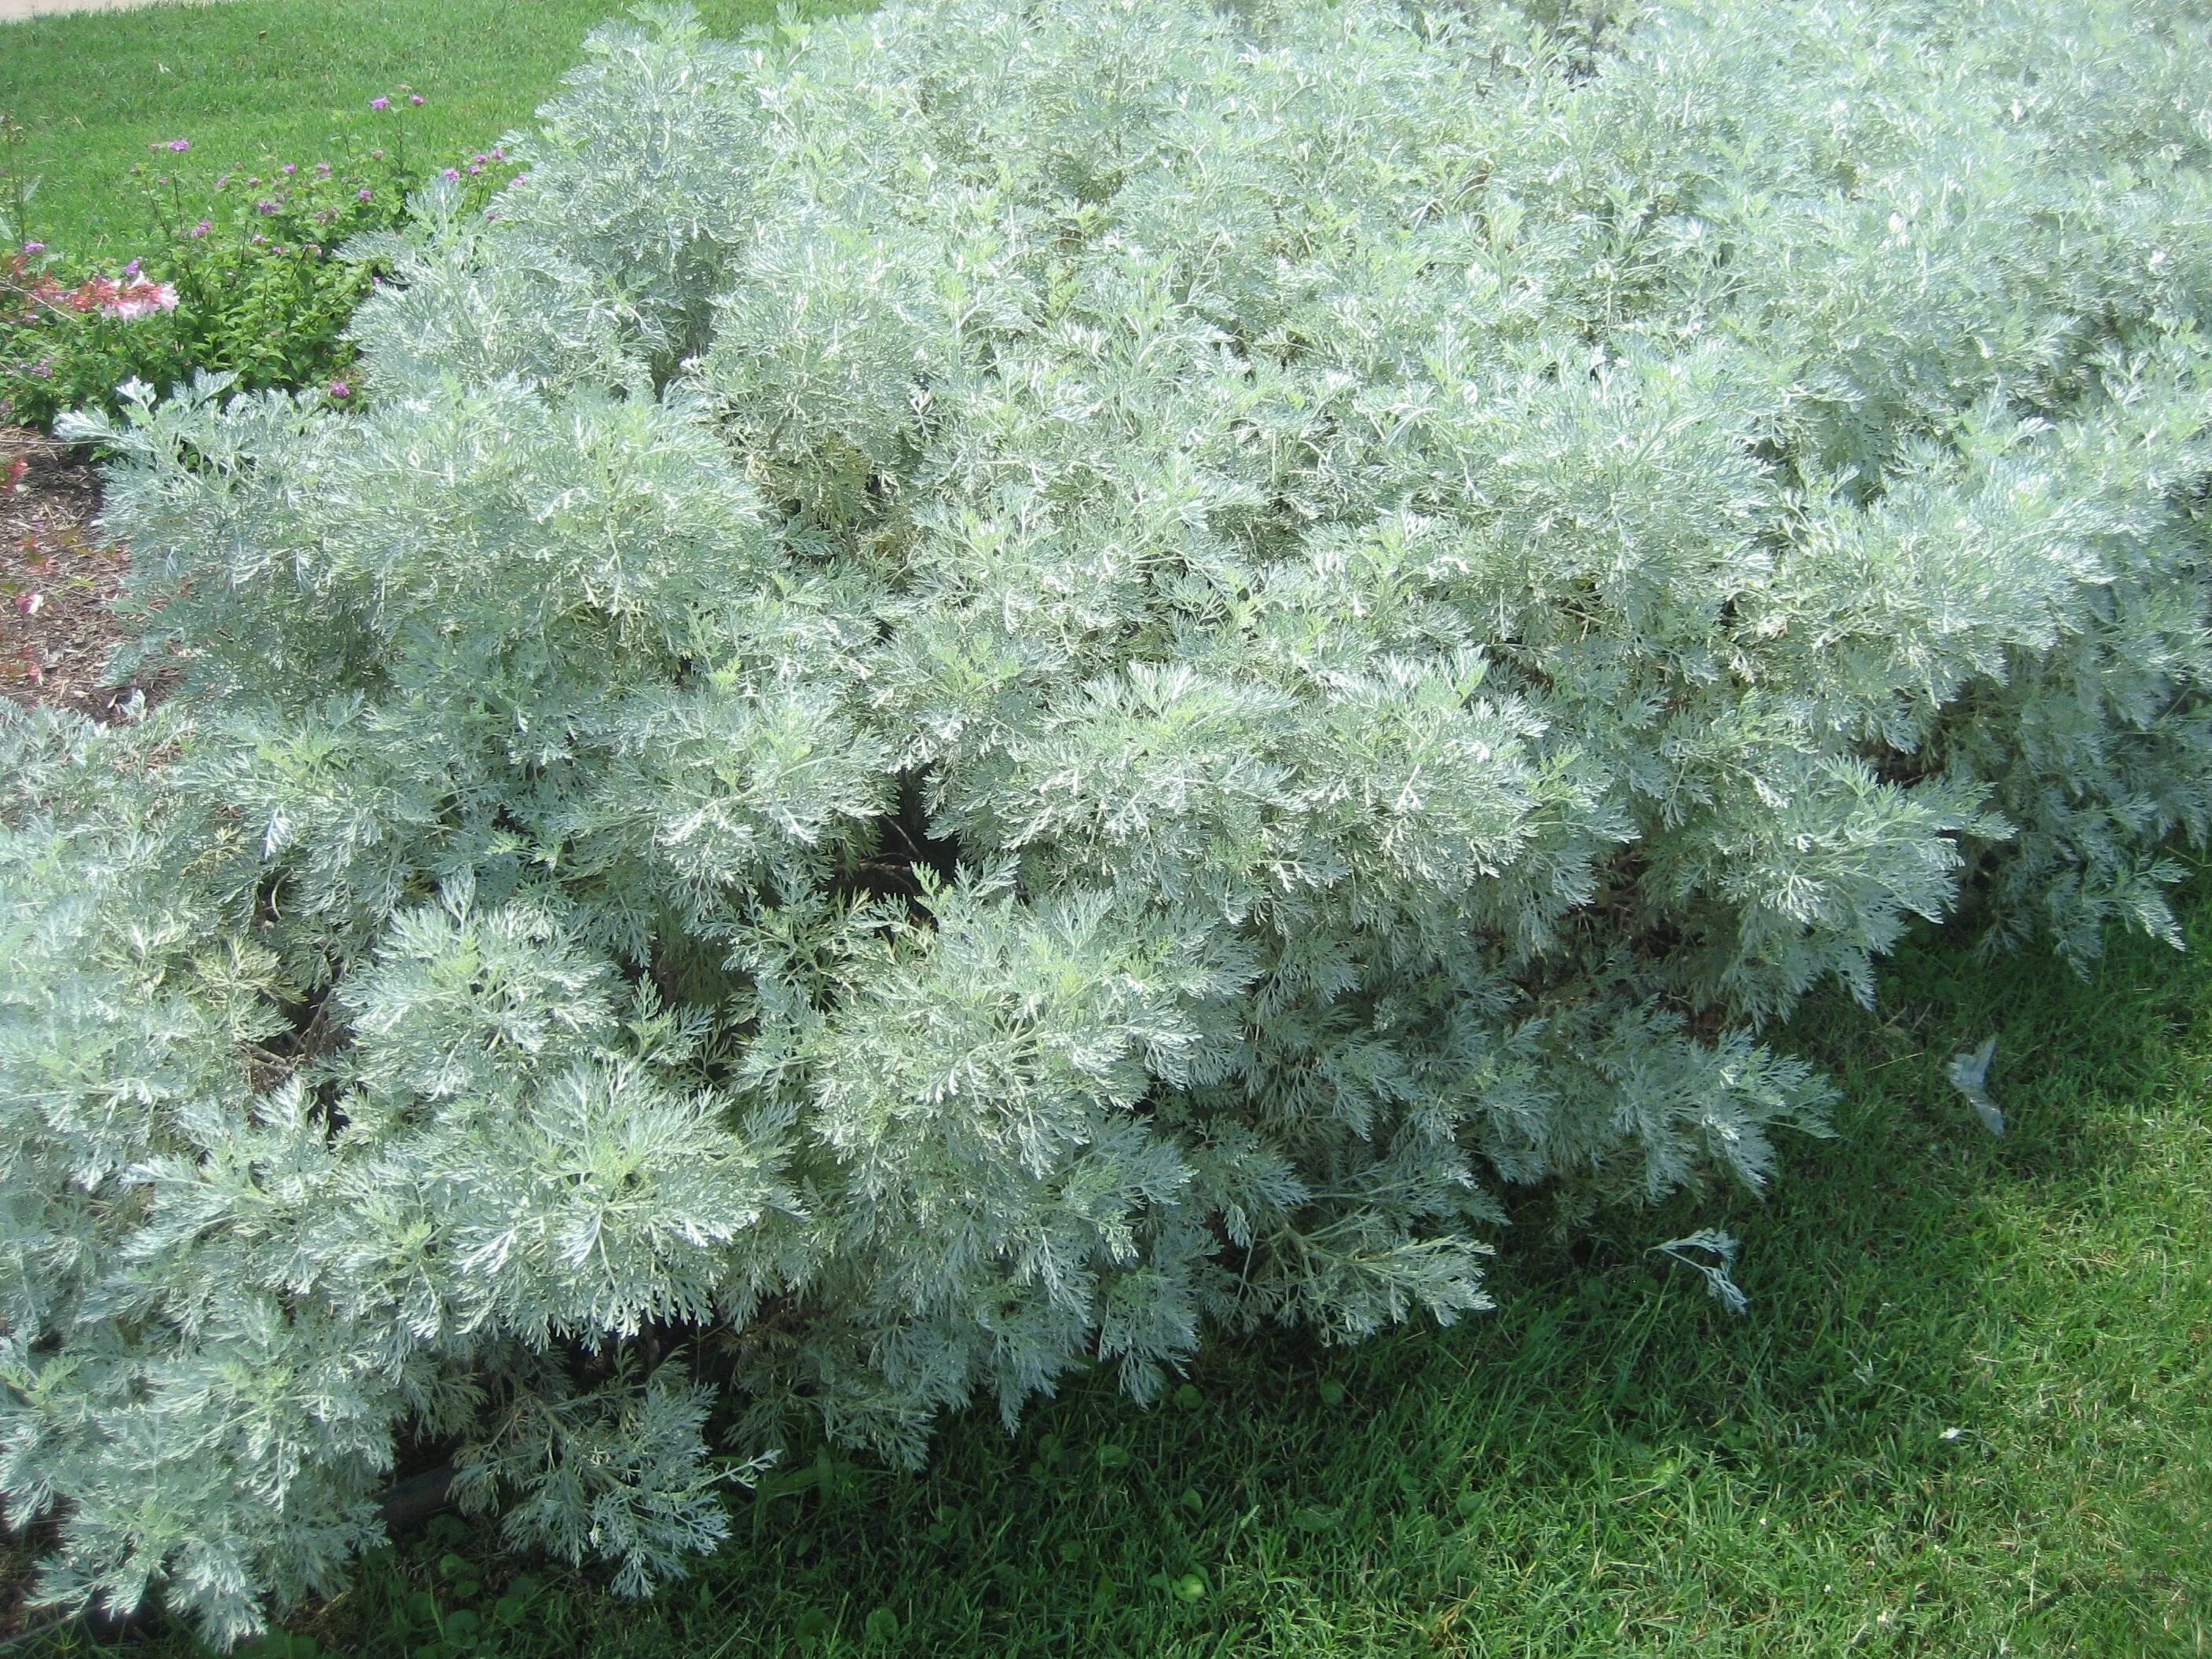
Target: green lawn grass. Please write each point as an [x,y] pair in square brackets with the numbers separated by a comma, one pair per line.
[251,79]
[1969,1412]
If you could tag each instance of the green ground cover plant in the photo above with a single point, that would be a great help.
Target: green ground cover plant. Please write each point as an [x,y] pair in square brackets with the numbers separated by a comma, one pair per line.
[985,692]
[244,277]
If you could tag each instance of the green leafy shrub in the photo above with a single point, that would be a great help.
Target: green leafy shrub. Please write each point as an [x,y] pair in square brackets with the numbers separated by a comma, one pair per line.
[242,275]
[992,685]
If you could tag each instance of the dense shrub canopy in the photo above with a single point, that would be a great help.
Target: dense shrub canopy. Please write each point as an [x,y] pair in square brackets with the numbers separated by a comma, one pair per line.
[993,683]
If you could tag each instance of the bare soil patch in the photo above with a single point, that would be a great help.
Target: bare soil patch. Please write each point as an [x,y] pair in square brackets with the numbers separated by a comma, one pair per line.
[58,577]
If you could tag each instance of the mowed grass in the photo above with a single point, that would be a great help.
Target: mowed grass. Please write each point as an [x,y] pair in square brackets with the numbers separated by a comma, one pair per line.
[1969,1412]
[247,81]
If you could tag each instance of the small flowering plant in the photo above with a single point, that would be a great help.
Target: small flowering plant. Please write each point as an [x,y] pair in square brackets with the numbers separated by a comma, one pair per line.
[64,331]
[241,275]
[127,297]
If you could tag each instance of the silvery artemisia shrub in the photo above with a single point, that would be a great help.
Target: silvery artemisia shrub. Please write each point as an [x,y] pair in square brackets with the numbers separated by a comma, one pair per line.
[993,684]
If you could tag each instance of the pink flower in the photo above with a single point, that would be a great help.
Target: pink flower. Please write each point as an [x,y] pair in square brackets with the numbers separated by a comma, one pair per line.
[130,271]
[497,154]
[181,145]
[380,103]
[132,300]
[324,168]
[340,389]
[265,206]
[222,182]
[259,240]
[453,173]
[520,179]
[255,180]
[364,194]
[473,171]
[34,247]
[201,229]
[479,160]
[415,98]
[289,167]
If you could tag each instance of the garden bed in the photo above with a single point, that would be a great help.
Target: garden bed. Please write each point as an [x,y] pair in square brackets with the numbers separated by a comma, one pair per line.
[59,574]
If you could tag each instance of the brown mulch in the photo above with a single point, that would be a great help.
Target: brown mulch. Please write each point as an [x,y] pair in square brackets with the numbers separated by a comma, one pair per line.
[57,575]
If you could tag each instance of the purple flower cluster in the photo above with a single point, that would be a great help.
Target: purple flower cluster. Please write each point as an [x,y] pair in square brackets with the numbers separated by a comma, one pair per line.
[280,230]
